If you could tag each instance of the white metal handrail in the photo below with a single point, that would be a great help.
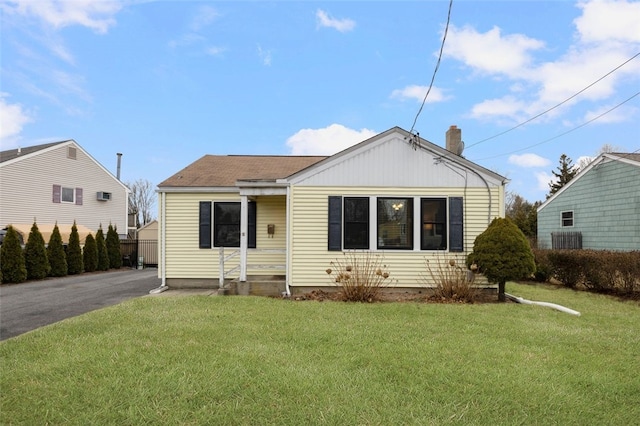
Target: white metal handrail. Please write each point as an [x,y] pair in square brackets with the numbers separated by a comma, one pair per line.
[222,275]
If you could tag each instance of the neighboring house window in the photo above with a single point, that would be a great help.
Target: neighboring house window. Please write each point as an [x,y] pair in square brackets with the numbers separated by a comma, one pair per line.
[395,223]
[433,212]
[63,194]
[441,223]
[567,219]
[356,222]
[220,222]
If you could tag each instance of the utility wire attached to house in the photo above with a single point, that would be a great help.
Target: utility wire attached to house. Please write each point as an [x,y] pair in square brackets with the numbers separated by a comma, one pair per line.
[556,106]
[414,137]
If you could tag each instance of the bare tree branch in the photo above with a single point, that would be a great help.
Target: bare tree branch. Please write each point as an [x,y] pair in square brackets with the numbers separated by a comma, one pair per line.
[141,201]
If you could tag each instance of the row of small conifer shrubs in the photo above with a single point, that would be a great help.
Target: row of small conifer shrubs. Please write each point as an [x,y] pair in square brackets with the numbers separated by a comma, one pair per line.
[38,261]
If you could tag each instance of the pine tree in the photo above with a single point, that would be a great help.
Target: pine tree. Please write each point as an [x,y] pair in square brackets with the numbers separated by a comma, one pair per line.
[13,265]
[103,256]
[502,253]
[74,252]
[56,255]
[90,254]
[35,255]
[565,173]
[113,248]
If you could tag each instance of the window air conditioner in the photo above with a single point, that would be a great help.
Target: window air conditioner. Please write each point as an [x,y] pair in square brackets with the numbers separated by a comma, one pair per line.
[104,196]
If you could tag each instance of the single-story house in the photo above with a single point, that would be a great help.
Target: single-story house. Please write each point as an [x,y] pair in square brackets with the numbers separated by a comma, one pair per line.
[59,183]
[394,195]
[599,209]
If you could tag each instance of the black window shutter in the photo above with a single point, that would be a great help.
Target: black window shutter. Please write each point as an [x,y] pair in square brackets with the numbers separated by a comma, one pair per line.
[205,224]
[251,238]
[456,234]
[335,223]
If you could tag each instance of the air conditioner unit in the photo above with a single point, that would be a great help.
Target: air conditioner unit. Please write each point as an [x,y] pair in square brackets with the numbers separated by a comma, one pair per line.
[104,196]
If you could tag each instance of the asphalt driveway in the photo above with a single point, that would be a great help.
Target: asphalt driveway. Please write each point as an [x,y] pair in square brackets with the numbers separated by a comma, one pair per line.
[27,306]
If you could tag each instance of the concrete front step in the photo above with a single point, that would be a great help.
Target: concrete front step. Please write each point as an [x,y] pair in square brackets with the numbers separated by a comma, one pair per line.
[258,285]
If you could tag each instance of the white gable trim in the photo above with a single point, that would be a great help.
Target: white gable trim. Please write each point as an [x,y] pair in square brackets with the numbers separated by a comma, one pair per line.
[403,137]
[68,143]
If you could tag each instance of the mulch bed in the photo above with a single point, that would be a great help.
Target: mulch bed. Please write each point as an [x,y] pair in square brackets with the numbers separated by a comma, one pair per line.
[385,297]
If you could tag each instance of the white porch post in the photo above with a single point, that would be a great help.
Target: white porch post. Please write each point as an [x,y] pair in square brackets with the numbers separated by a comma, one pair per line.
[244,230]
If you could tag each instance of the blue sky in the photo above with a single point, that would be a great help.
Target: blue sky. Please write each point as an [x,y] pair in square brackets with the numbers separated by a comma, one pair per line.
[165,82]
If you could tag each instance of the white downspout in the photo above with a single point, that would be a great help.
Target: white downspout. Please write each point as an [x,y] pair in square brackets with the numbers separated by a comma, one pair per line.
[287,250]
[163,243]
[244,230]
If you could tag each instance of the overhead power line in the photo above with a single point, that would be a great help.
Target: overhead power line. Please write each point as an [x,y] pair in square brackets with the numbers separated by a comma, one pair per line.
[435,71]
[556,106]
[564,133]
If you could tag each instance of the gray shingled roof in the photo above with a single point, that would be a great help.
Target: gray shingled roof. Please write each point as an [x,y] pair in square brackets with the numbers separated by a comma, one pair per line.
[225,170]
[630,156]
[10,154]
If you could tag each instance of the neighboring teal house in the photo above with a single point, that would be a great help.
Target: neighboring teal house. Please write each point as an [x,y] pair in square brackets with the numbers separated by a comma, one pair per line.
[599,209]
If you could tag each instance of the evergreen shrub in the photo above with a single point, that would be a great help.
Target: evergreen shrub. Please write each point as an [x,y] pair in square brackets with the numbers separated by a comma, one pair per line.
[113,248]
[35,255]
[502,253]
[12,265]
[90,254]
[103,256]
[56,255]
[74,252]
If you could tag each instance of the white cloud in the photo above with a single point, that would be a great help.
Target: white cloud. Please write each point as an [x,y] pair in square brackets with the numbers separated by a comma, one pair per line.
[618,115]
[606,21]
[324,20]
[186,40]
[215,50]
[508,106]
[204,17]
[543,179]
[12,119]
[265,56]
[417,92]
[326,141]
[491,52]
[529,160]
[97,15]
[607,35]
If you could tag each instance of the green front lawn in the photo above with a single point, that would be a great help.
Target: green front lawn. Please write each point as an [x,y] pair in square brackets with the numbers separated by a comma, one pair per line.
[250,360]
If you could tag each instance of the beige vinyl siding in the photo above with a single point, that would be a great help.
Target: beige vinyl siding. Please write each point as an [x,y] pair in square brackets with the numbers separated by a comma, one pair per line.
[184,259]
[269,210]
[309,257]
[26,191]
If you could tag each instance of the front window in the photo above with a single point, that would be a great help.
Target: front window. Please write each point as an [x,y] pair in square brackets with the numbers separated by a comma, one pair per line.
[567,219]
[433,212]
[226,230]
[67,195]
[395,223]
[356,223]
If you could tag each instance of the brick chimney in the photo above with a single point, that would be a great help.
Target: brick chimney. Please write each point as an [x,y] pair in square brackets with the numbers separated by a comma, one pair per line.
[454,140]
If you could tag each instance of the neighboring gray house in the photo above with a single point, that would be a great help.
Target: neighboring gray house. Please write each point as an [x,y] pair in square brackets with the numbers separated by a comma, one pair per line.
[59,183]
[599,209]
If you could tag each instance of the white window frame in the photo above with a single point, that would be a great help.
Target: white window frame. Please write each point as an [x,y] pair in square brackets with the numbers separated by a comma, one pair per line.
[73,194]
[562,219]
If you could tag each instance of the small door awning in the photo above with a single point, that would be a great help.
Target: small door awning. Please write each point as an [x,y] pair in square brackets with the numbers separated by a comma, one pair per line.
[47,229]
